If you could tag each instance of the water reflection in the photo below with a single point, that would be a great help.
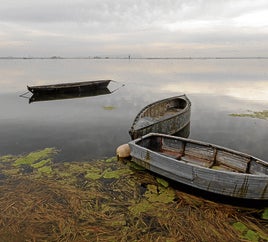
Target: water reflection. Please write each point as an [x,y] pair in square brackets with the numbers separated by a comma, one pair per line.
[61,96]
[82,128]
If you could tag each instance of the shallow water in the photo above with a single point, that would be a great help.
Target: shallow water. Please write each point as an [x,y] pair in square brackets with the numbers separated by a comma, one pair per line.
[108,200]
[92,127]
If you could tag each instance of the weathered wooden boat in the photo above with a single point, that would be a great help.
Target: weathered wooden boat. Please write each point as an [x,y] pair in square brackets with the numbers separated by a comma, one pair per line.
[167,116]
[61,96]
[201,165]
[69,87]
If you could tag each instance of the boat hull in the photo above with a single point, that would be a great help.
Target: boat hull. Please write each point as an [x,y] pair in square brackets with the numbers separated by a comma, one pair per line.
[76,87]
[251,184]
[61,96]
[157,118]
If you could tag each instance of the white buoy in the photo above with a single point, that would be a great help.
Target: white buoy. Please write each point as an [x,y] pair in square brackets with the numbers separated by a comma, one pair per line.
[123,151]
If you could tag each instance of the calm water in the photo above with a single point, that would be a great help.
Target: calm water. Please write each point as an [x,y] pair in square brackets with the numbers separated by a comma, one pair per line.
[93,127]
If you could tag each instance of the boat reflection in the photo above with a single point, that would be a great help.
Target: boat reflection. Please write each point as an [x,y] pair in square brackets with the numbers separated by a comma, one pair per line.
[61,96]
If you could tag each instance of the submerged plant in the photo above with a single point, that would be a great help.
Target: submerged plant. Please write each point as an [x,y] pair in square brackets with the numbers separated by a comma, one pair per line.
[107,200]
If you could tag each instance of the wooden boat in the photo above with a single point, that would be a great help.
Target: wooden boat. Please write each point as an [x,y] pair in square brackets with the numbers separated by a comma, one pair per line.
[167,116]
[69,87]
[201,165]
[60,96]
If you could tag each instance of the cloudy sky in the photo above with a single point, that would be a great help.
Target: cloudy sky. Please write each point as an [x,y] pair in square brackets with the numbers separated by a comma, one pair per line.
[142,28]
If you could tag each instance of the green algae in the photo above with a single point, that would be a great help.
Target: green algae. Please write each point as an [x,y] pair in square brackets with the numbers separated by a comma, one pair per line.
[252,236]
[112,159]
[11,172]
[106,200]
[154,198]
[116,173]
[7,158]
[93,175]
[265,214]
[136,166]
[141,207]
[41,163]
[35,157]
[109,107]
[162,181]
[259,115]
[45,169]
[159,194]
[239,226]
[38,163]
[249,234]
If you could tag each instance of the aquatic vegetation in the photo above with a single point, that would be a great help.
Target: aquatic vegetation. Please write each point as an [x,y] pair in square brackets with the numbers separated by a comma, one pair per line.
[163,182]
[247,233]
[7,158]
[259,115]
[116,173]
[265,214]
[36,157]
[240,227]
[159,194]
[107,200]
[112,159]
[109,107]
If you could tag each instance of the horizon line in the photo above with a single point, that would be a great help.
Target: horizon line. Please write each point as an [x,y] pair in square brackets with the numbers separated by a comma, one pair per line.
[130,57]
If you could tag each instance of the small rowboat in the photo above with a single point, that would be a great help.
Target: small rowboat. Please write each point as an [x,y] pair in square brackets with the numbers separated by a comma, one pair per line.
[167,116]
[201,165]
[62,96]
[69,87]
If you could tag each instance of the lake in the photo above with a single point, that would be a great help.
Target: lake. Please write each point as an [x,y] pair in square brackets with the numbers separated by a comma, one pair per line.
[93,127]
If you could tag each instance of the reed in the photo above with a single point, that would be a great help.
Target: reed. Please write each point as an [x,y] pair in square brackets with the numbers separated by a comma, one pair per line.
[119,203]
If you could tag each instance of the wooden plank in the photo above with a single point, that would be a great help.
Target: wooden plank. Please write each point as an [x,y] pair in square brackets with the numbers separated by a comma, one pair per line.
[197,161]
[234,161]
[200,151]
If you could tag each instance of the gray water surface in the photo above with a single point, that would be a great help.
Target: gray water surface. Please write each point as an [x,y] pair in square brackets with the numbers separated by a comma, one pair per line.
[93,127]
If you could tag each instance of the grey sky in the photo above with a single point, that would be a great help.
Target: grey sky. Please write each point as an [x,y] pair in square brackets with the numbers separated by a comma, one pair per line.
[136,27]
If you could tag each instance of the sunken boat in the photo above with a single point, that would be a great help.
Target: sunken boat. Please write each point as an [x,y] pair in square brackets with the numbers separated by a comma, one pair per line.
[167,116]
[205,166]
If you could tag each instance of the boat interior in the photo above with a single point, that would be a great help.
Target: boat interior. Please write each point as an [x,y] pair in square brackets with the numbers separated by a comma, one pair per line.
[164,109]
[157,112]
[205,155]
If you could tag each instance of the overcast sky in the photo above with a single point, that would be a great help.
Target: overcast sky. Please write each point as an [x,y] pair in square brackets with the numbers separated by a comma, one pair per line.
[144,28]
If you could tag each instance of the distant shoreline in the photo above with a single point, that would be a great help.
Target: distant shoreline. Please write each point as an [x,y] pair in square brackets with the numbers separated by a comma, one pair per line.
[132,58]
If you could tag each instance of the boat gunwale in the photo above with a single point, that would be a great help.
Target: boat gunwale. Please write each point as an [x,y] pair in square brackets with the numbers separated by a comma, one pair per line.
[188,105]
[257,160]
